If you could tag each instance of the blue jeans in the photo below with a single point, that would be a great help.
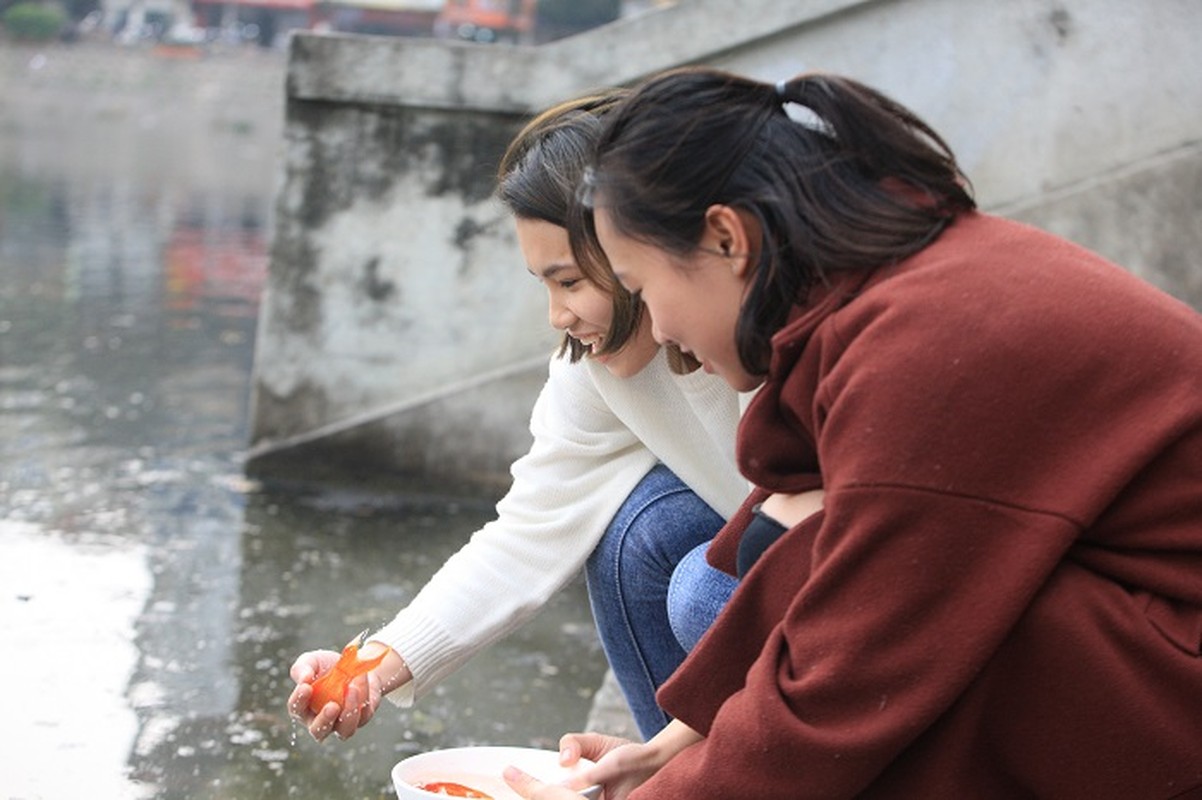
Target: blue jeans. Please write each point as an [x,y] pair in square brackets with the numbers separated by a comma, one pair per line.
[633,578]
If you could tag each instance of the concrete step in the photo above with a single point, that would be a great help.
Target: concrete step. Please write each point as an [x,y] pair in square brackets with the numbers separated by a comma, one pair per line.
[609,713]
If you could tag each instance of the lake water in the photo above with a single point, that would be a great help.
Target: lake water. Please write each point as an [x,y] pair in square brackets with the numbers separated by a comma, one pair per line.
[152,597]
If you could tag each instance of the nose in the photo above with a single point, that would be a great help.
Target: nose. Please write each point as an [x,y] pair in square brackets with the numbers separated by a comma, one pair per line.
[558,313]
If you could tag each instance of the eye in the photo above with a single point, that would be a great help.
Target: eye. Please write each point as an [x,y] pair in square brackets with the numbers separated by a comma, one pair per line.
[570,282]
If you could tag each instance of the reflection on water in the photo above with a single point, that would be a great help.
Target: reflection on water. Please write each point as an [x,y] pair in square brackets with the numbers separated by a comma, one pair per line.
[159,595]
[50,590]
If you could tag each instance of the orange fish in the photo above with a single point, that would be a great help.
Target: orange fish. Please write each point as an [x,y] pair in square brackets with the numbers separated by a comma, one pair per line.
[332,685]
[453,790]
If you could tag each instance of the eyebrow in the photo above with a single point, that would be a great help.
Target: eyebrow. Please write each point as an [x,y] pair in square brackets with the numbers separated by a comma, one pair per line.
[551,271]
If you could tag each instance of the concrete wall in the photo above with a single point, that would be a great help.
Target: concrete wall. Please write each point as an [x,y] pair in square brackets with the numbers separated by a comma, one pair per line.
[399,330]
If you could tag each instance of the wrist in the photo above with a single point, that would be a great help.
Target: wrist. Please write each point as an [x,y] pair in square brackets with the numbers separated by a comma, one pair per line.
[392,671]
[676,736]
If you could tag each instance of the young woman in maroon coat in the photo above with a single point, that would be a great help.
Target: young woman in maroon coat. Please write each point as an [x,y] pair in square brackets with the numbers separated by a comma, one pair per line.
[1001,595]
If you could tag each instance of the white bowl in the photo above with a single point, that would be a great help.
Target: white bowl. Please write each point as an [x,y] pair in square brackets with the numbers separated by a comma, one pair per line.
[480,768]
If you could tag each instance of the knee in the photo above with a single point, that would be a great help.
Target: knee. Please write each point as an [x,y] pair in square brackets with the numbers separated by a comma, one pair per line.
[659,522]
[659,485]
[696,594]
[631,516]
[688,581]
[667,527]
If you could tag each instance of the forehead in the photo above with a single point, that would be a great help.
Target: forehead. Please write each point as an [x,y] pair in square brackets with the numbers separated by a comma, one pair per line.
[603,221]
[625,252]
[540,230]
[547,240]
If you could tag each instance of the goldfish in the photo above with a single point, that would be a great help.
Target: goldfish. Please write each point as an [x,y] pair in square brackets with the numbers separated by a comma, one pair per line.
[453,790]
[332,685]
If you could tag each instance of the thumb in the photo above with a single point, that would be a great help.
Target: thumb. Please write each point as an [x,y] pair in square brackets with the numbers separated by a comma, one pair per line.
[569,751]
[302,672]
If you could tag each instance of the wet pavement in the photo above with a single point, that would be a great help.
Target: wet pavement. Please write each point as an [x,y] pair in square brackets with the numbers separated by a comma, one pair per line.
[152,596]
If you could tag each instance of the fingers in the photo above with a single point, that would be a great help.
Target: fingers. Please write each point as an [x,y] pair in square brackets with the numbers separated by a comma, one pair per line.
[305,668]
[351,718]
[355,712]
[575,746]
[520,782]
[298,702]
[374,694]
[533,789]
[302,672]
[322,723]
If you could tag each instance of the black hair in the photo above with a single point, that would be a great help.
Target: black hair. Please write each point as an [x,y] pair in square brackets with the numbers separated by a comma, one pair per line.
[856,181]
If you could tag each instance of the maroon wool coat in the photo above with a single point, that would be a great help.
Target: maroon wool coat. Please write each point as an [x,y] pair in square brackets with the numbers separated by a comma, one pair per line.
[1002,597]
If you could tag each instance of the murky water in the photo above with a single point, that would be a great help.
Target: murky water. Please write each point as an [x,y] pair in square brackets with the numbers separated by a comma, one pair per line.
[151,597]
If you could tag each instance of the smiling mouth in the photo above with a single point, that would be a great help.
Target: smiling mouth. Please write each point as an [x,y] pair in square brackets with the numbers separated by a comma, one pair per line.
[593,343]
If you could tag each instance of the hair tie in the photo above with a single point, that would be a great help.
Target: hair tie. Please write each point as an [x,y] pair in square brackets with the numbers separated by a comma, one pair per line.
[782,89]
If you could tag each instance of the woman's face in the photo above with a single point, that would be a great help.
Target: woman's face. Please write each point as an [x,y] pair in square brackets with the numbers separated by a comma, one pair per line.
[575,304]
[694,302]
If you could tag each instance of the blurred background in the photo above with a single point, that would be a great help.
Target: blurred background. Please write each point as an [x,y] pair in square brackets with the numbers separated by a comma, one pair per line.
[205,25]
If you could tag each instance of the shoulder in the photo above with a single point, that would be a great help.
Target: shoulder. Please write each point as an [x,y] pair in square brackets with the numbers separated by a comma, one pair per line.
[994,287]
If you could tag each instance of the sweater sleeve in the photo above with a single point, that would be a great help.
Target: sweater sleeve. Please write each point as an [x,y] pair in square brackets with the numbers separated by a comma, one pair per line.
[582,465]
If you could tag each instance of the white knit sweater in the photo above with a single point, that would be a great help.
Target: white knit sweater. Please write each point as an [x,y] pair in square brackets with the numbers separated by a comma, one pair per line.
[595,437]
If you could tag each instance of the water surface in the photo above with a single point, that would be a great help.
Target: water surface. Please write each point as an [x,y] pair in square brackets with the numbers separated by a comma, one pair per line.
[152,597]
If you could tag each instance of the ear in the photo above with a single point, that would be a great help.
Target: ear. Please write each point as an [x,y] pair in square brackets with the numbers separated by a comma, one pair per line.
[734,234]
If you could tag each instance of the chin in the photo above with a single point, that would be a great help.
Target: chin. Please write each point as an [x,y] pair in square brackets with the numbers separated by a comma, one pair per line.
[742,382]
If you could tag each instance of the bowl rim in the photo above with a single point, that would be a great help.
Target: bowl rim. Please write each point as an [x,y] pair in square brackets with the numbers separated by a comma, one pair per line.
[497,750]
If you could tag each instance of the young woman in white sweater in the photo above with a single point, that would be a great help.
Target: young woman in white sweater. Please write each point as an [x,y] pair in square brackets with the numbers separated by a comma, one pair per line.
[630,475]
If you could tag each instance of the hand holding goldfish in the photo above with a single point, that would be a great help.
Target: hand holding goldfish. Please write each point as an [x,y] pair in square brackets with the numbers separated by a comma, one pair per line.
[340,692]
[332,686]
